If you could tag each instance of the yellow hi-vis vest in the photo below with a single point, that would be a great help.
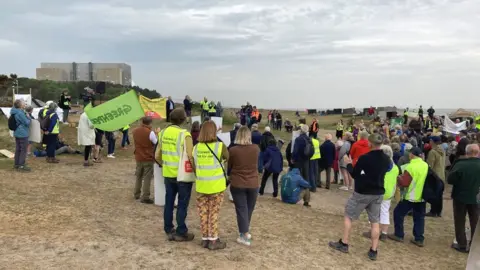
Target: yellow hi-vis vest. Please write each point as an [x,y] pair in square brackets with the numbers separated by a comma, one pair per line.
[172,141]
[212,109]
[339,127]
[208,171]
[205,105]
[126,127]
[56,128]
[44,112]
[418,169]
[477,122]
[390,182]
[316,147]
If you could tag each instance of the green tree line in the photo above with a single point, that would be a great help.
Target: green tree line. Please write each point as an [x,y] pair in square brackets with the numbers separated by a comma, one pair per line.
[50,90]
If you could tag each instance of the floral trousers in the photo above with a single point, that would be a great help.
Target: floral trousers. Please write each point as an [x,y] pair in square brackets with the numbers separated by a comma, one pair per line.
[208,206]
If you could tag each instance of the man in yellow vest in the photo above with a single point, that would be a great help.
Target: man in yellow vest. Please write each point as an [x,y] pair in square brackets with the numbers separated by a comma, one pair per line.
[212,109]
[173,141]
[51,132]
[477,123]
[413,178]
[314,179]
[205,105]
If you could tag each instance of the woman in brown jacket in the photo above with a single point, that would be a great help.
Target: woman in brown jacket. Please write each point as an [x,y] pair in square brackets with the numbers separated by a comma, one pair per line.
[242,164]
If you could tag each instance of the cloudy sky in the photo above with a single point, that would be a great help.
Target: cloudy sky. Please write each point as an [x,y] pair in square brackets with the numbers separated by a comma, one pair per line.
[273,53]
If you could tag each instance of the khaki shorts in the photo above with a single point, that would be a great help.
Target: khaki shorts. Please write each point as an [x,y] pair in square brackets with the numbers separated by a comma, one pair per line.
[359,202]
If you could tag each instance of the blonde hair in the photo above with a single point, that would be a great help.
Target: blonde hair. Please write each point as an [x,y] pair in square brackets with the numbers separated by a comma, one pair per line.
[328,136]
[208,132]
[244,136]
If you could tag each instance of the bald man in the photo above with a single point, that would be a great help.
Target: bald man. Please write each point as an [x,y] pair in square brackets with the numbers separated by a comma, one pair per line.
[466,185]
[327,152]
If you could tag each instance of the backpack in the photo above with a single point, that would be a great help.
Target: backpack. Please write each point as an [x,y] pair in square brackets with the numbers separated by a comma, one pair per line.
[433,187]
[45,122]
[308,151]
[12,123]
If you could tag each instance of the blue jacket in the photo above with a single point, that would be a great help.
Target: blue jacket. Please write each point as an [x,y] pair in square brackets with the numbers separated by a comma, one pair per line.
[53,120]
[23,123]
[327,151]
[292,185]
[256,137]
[273,156]
[298,148]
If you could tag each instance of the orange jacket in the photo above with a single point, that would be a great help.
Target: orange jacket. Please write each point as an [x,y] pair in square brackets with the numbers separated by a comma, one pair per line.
[255,114]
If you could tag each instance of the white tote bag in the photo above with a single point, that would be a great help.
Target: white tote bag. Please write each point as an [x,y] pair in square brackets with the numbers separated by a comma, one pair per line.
[185,169]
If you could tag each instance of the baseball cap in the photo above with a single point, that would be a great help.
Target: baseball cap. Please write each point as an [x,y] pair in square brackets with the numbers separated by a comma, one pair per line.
[416,151]
[375,139]
[435,139]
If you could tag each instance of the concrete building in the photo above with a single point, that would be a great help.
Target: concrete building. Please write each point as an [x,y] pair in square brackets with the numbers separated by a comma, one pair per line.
[116,73]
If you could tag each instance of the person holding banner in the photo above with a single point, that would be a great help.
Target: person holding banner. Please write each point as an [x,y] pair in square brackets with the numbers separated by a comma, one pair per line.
[211,182]
[172,142]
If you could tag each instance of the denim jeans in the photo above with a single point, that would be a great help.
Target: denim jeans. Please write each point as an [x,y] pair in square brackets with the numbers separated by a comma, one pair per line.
[51,144]
[125,139]
[184,190]
[111,146]
[402,209]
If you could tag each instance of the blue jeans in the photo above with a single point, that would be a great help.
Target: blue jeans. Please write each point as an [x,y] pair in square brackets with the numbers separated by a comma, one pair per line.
[111,146]
[260,162]
[402,209]
[125,139]
[51,144]
[184,190]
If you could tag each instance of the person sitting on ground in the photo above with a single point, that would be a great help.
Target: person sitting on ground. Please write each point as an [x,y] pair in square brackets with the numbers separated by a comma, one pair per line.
[466,184]
[369,174]
[288,125]
[60,148]
[295,188]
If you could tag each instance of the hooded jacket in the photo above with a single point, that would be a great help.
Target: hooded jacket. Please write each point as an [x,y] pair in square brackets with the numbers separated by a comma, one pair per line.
[358,149]
[265,141]
[23,123]
[436,161]
[292,185]
[273,159]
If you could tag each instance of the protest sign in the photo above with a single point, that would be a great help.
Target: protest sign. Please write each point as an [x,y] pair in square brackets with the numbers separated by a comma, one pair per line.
[197,118]
[116,113]
[454,128]
[155,108]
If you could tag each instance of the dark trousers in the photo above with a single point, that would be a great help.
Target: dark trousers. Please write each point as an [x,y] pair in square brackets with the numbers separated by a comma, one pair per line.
[51,140]
[266,175]
[437,207]
[328,171]
[304,167]
[244,200]
[125,138]
[402,209]
[168,115]
[460,211]
[111,145]
[184,190]
[313,175]
[65,115]
[88,150]
[21,145]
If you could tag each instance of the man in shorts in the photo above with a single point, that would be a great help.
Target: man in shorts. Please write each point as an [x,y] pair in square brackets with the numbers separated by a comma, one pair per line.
[369,173]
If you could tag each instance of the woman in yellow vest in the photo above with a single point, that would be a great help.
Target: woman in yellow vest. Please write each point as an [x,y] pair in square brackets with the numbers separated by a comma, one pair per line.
[173,141]
[339,133]
[212,109]
[51,132]
[314,175]
[209,156]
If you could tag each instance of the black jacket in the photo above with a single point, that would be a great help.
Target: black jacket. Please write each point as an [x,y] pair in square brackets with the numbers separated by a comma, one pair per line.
[265,141]
[63,98]
[327,151]
[369,172]
[187,104]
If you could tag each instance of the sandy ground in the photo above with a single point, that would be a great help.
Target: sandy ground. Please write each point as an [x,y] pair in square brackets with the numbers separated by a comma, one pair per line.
[66,216]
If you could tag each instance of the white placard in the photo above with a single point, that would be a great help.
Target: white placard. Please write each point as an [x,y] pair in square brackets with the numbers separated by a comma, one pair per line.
[218,121]
[197,118]
[27,98]
[295,135]
[159,186]
[225,137]
[451,127]
[35,132]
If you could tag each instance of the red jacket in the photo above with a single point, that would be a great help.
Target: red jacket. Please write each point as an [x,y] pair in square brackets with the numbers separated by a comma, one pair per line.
[359,148]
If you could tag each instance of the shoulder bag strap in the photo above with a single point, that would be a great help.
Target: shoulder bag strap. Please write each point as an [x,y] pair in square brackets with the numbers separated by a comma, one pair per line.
[211,151]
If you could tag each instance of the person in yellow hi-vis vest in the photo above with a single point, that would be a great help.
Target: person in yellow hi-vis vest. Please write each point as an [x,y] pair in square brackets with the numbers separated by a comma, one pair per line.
[477,122]
[314,178]
[125,138]
[51,132]
[209,156]
[205,105]
[414,178]
[171,144]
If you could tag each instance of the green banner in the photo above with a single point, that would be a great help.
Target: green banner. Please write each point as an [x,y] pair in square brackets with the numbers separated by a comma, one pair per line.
[116,113]
[396,121]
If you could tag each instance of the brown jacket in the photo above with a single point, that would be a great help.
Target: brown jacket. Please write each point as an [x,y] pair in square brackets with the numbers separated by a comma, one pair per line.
[243,166]
[144,148]
[436,161]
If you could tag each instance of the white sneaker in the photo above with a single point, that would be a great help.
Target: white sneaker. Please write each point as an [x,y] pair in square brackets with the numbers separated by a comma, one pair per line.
[242,239]
[110,156]
[350,188]
[343,188]
[249,236]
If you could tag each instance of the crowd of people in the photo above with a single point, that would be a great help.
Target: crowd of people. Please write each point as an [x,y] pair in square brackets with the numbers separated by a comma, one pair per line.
[378,164]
